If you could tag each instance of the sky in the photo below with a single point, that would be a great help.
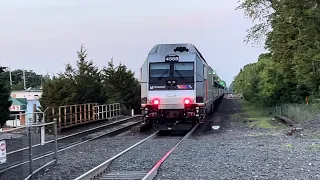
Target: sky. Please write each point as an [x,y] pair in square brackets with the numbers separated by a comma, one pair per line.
[45,35]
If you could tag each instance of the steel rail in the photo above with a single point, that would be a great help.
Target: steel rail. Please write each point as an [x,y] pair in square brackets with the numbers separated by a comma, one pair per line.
[154,171]
[72,145]
[77,133]
[98,170]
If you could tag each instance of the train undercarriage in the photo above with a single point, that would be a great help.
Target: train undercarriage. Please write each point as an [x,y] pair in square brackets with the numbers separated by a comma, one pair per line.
[173,116]
[191,114]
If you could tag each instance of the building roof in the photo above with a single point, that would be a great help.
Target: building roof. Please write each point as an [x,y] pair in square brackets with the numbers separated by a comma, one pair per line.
[18,101]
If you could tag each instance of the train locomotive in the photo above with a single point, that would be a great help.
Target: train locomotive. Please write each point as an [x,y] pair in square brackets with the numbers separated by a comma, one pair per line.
[178,85]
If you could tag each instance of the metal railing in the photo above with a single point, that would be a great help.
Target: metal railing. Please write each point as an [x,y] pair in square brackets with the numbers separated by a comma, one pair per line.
[24,119]
[108,110]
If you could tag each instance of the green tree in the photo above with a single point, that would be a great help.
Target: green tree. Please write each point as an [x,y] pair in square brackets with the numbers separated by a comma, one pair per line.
[32,79]
[87,77]
[121,86]
[5,103]
[58,91]
[259,82]
[292,32]
[75,85]
[87,84]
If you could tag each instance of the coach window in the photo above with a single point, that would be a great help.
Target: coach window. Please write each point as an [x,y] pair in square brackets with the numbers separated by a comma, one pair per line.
[159,69]
[183,70]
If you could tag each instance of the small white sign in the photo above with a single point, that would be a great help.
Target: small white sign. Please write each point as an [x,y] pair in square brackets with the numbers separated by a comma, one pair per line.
[3,152]
[42,132]
[215,127]
[14,108]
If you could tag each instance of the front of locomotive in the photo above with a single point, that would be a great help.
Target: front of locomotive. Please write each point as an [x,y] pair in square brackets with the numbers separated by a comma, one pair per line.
[171,87]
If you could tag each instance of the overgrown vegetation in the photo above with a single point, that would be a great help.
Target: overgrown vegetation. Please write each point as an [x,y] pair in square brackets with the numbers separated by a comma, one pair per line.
[256,117]
[297,112]
[290,71]
[263,117]
[5,103]
[86,83]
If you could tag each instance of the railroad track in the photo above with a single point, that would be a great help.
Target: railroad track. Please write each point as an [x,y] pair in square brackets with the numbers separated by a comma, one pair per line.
[103,171]
[72,140]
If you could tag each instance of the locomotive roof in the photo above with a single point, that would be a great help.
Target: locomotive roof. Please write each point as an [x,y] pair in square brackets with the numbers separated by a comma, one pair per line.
[173,48]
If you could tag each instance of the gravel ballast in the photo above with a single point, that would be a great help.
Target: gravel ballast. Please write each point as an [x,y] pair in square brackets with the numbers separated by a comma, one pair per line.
[260,157]
[84,127]
[233,152]
[19,139]
[90,149]
[145,156]
[237,152]
[74,162]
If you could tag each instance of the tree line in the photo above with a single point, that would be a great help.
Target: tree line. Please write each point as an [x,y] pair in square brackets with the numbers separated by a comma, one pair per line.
[85,83]
[23,79]
[4,96]
[290,70]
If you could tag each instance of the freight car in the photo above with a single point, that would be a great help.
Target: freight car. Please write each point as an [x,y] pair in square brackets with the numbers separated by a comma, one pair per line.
[178,85]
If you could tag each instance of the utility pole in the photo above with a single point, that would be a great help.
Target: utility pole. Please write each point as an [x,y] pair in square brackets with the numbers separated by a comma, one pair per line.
[41,81]
[10,76]
[24,79]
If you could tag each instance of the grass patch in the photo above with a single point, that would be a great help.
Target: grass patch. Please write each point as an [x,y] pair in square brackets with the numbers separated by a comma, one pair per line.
[262,117]
[289,146]
[261,122]
[250,109]
[312,135]
[256,117]
[315,147]
[239,117]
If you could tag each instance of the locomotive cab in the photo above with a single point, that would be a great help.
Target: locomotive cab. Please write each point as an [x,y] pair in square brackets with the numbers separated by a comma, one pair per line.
[175,86]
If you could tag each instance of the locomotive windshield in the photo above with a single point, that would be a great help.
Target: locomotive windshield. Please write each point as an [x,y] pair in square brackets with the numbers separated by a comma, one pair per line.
[159,70]
[171,76]
[183,70]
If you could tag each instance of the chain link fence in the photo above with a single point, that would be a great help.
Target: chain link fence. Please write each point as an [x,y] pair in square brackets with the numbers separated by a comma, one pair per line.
[27,149]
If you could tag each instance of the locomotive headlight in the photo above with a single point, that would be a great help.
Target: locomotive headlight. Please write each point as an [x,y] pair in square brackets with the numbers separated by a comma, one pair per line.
[187,101]
[156,102]
[197,111]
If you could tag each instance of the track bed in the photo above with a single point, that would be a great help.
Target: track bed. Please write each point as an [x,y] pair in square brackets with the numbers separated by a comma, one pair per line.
[238,152]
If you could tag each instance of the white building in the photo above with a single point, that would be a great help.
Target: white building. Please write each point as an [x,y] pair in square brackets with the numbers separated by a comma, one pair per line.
[31,97]
[28,94]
